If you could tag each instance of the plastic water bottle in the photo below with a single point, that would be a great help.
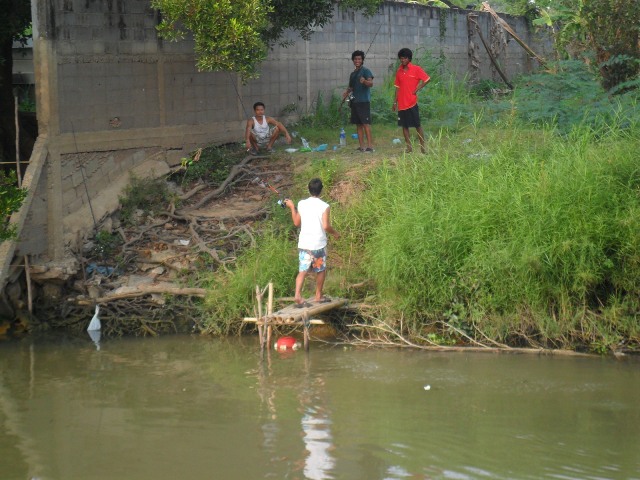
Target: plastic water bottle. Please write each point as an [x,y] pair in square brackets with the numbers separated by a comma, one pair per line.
[305,144]
[343,138]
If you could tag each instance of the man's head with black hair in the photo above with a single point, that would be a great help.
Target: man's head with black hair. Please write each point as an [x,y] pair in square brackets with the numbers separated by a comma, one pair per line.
[405,53]
[357,53]
[315,186]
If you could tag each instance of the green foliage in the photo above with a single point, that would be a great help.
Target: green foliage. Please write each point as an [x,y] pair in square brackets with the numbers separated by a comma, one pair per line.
[572,96]
[331,114]
[106,244]
[227,33]
[234,35]
[142,195]
[211,165]
[11,198]
[16,19]
[609,28]
[613,33]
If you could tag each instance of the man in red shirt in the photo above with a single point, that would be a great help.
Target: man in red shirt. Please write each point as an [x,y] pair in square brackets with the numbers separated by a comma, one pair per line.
[410,79]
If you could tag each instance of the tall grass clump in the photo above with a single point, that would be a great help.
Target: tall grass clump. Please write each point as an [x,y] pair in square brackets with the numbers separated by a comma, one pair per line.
[232,293]
[526,244]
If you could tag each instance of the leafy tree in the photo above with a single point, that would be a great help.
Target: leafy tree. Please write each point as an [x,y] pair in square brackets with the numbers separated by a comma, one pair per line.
[613,31]
[608,28]
[16,18]
[235,35]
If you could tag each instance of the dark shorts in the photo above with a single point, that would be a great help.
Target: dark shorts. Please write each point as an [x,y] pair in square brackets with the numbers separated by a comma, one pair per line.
[361,113]
[409,118]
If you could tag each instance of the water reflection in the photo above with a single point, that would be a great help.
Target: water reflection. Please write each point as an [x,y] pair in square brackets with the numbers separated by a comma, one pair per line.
[95,336]
[315,423]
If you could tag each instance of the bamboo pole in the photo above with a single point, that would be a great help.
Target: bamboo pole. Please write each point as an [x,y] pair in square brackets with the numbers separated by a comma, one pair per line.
[269,312]
[27,275]
[305,321]
[259,301]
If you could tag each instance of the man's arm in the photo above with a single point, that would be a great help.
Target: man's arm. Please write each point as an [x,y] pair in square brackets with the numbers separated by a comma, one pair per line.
[346,94]
[367,82]
[367,78]
[326,223]
[281,127]
[247,133]
[421,85]
[295,215]
[394,107]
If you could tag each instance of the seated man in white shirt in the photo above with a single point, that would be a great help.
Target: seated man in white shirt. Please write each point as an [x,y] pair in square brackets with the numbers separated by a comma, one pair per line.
[263,131]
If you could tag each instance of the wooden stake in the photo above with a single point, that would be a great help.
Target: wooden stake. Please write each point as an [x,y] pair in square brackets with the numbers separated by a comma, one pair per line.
[305,321]
[259,301]
[27,275]
[269,312]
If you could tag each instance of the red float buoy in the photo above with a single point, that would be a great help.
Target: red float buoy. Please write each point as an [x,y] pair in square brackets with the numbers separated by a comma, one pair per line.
[286,343]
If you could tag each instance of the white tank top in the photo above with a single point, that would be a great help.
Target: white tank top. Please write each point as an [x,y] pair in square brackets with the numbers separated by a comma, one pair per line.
[312,235]
[261,129]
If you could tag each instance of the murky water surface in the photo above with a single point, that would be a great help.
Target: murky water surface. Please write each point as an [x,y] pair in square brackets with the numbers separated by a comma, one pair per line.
[193,408]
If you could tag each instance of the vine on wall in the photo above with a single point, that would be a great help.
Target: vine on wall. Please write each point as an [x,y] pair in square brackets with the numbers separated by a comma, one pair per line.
[443,24]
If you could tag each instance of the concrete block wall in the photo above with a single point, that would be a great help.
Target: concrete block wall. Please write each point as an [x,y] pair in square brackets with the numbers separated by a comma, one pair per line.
[113,95]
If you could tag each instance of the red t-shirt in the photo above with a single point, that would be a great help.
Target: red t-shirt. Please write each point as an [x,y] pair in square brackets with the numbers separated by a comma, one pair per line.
[406,82]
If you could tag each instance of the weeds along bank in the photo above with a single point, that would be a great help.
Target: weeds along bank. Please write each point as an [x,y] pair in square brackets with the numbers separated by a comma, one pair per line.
[508,232]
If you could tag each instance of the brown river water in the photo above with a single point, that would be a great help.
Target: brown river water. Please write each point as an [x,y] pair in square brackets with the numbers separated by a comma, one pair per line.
[181,407]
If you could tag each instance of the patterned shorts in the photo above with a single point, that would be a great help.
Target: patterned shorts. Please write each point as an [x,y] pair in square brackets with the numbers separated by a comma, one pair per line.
[312,260]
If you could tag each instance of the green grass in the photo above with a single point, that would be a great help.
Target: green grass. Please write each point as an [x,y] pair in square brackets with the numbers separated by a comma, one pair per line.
[549,228]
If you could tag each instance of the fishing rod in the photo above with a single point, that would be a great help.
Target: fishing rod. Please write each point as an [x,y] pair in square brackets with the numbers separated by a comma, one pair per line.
[264,184]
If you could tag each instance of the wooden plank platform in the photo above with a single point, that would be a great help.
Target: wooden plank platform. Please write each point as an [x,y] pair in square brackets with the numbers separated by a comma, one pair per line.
[293,315]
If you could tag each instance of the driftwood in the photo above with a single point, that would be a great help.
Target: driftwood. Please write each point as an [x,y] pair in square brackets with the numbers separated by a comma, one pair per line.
[146,289]
[383,335]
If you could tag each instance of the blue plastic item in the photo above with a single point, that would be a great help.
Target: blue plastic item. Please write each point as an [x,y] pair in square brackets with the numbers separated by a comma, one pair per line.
[320,148]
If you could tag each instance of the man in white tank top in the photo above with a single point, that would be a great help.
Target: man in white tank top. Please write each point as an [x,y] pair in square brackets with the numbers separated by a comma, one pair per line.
[313,218]
[263,131]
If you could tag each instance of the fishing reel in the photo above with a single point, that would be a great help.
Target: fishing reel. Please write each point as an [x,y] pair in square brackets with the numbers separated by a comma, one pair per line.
[283,202]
